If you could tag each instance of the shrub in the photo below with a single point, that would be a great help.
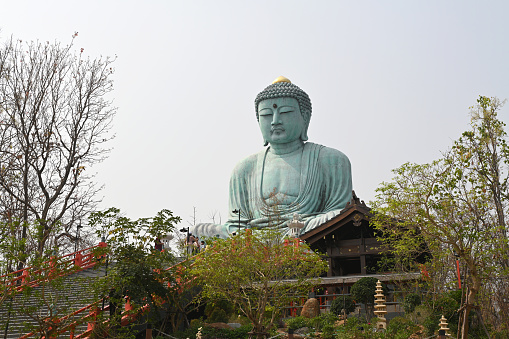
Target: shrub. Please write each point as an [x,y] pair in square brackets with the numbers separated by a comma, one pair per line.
[328,331]
[218,311]
[297,322]
[400,327]
[445,304]
[352,329]
[363,290]
[237,333]
[411,301]
[322,321]
[195,323]
[340,303]
[213,333]
[218,315]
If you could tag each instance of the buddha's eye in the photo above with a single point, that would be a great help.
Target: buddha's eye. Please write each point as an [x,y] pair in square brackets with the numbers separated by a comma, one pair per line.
[265,112]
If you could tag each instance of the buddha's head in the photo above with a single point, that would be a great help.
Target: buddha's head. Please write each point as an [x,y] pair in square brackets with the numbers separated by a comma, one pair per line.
[284,100]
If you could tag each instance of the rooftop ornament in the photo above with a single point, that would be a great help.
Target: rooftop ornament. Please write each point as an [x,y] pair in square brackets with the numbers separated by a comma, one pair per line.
[295,226]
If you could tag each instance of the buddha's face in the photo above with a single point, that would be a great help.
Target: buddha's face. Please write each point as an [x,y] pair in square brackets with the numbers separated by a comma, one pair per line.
[280,120]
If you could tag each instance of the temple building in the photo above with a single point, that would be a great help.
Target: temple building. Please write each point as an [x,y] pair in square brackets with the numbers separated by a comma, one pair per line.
[348,241]
[349,244]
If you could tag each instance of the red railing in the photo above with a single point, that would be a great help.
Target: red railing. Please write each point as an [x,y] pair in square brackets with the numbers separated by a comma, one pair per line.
[128,316]
[70,327]
[67,264]
[83,261]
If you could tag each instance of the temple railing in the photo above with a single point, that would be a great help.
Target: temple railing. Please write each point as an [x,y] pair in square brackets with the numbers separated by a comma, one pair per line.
[54,267]
[90,313]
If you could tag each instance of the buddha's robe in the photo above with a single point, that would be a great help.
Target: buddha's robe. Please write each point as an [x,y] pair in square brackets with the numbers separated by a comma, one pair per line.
[325,189]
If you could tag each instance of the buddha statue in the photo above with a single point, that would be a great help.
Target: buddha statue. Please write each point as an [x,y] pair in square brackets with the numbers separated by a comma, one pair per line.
[289,176]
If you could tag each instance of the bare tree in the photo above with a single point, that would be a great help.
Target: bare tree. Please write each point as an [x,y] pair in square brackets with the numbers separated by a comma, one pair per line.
[212,217]
[193,218]
[55,118]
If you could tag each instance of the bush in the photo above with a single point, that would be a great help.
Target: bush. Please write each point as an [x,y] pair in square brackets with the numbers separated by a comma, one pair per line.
[352,329]
[400,327]
[195,323]
[237,333]
[218,311]
[218,315]
[322,321]
[445,304]
[411,301]
[213,333]
[240,319]
[297,322]
[363,290]
[328,331]
[341,303]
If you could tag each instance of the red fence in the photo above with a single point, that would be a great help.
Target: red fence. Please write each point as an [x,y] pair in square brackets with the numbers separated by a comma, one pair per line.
[33,275]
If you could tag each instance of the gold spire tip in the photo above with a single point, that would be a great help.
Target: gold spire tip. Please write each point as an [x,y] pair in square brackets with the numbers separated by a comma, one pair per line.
[281,79]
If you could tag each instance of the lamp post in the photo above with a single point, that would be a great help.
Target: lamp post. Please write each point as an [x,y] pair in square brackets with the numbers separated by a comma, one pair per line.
[237,212]
[186,230]
[77,237]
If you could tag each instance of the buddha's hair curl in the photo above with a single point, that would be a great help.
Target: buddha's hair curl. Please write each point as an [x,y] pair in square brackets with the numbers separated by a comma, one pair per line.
[286,90]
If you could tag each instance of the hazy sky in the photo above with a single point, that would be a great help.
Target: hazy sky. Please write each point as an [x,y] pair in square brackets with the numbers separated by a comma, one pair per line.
[390,82]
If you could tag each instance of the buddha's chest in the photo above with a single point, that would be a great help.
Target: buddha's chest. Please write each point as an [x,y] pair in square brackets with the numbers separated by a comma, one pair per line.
[281,175]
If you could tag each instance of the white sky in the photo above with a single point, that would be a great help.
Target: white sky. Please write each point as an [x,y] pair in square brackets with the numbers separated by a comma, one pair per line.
[390,82]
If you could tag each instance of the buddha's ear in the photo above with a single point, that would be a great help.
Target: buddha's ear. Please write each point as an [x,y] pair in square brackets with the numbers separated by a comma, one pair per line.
[265,142]
[304,135]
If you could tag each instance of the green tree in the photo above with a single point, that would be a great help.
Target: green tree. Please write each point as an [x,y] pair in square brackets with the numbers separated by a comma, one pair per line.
[456,205]
[141,274]
[411,301]
[259,273]
[342,303]
[363,291]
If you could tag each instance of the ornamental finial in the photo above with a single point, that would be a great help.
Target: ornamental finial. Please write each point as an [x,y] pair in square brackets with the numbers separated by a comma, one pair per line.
[281,79]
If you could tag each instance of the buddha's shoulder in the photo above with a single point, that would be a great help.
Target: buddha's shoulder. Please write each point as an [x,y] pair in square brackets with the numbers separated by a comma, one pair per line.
[249,163]
[330,155]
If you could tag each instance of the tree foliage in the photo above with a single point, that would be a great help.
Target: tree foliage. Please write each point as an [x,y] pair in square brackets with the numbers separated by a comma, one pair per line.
[341,303]
[456,205]
[259,273]
[140,273]
[364,290]
[55,117]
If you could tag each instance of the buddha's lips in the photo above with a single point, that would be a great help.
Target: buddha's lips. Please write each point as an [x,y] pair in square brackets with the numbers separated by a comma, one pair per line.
[278,129]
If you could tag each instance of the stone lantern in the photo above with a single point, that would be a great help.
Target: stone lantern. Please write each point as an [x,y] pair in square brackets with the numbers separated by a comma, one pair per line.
[443,326]
[166,240]
[380,308]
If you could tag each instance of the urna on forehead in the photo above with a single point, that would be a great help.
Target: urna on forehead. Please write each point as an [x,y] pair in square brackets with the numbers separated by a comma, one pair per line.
[282,87]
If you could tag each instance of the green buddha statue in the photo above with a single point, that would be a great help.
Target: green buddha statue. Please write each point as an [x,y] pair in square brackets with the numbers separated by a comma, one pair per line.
[290,176]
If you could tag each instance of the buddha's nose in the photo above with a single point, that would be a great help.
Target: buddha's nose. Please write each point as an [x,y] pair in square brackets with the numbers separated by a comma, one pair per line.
[276,118]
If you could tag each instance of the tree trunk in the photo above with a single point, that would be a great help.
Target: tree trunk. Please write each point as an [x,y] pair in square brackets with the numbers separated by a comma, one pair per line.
[470,300]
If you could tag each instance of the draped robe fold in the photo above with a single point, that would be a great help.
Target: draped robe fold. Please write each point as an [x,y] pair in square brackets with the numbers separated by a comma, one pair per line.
[325,188]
